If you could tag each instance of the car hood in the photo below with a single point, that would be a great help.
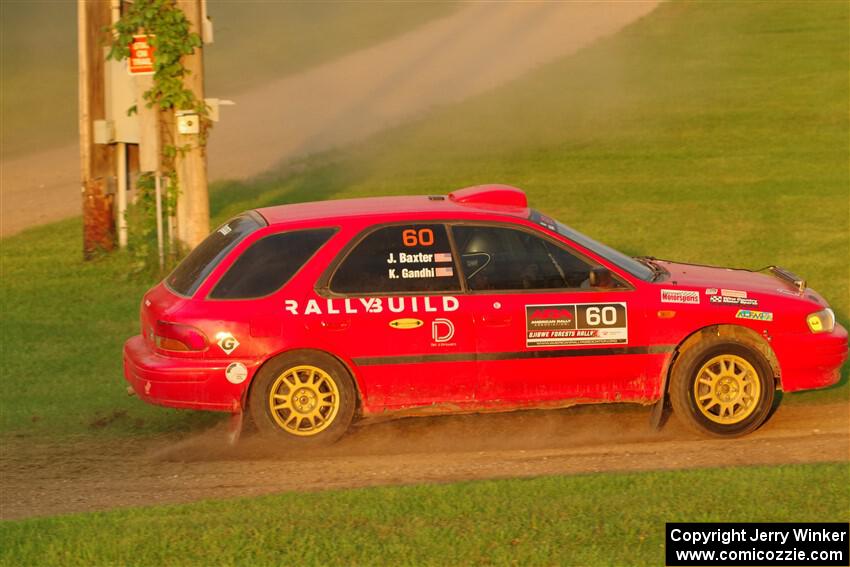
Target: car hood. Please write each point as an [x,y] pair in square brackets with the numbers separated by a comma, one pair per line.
[698,276]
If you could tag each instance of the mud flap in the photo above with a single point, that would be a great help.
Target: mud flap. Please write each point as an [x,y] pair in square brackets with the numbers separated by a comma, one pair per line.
[659,414]
[234,428]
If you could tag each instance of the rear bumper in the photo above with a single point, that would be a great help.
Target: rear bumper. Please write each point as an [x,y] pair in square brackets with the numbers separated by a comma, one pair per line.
[810,361]
[182,382]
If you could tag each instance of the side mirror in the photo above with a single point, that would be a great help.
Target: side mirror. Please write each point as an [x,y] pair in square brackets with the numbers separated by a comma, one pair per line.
[601,277]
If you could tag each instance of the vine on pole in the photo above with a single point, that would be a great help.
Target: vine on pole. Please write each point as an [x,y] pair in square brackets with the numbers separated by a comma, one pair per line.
[171,38]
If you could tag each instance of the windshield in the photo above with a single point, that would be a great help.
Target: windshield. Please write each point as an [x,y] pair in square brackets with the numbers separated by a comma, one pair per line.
[187,277]
[617,258]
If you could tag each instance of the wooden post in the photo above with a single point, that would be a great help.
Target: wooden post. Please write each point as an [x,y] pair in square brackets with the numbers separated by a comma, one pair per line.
[96,160]
[193,209]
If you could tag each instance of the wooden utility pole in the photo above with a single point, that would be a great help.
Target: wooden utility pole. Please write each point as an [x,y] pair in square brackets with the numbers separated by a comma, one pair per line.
[193,208]
[96,160]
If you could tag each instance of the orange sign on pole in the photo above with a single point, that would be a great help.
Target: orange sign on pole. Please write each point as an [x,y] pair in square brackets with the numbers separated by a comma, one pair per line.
[140,61]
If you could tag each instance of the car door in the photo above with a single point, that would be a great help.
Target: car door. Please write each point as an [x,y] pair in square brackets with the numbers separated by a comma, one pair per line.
[544,330]
[403,322]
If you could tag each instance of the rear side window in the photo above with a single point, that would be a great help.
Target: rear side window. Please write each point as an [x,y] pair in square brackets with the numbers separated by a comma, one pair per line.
[187,277]
[399,259]
[269,263]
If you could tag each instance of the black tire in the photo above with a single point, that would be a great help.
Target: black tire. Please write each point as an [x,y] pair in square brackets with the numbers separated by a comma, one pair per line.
[303,421]
[728,401]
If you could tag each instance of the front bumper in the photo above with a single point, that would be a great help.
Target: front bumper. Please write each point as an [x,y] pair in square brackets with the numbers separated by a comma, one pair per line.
[809,361]
[182,382]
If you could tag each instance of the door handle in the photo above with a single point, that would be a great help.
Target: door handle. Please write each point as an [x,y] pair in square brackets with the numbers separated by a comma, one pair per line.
[335,324]
[496,320]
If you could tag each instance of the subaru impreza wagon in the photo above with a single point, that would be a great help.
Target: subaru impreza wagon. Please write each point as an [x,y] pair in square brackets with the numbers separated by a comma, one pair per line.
[310,316]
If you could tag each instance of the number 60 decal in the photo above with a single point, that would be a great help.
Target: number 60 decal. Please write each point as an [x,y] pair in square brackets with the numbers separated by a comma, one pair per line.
[421,237]
[605,315]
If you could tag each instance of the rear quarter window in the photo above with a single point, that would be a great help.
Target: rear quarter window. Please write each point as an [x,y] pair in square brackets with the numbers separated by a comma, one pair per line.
[194,269]
[269,263]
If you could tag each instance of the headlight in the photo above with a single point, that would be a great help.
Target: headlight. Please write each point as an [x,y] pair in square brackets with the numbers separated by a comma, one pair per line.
[822,321]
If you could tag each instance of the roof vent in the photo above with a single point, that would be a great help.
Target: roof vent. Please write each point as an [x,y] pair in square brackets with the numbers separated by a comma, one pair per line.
[494,195]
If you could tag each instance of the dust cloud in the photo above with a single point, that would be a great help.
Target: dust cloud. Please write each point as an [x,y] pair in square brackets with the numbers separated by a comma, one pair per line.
[49,478]
[509,431]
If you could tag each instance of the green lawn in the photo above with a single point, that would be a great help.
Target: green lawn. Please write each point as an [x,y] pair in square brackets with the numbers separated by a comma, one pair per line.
[612,519]
[706,132]
[63,323]
[254,42]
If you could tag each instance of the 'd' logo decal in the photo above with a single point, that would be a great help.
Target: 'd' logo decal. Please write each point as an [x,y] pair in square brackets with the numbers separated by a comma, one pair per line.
[405,323]
[442,330]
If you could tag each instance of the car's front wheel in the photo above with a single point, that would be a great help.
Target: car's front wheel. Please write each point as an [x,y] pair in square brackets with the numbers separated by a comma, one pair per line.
[303,398]
[722,388]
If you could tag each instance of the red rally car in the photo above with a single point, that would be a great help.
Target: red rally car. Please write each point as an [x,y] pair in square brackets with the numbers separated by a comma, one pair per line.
[312,315]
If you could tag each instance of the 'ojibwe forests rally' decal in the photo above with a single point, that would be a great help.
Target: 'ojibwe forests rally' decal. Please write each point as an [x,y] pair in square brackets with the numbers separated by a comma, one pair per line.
[576,324]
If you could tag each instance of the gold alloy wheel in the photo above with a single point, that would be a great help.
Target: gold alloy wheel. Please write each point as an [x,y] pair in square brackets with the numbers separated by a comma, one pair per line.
[304,400]
[727,389]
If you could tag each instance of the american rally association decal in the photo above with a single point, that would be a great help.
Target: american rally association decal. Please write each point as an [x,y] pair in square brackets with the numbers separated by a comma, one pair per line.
[679,296]
[576,324]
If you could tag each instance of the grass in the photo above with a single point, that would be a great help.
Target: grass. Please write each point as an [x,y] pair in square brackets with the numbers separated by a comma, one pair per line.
[255,42]
[727,146]
[613,519]
[63,324]
[707,132]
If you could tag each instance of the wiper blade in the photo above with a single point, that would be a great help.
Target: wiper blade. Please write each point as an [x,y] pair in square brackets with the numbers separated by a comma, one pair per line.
[649,262]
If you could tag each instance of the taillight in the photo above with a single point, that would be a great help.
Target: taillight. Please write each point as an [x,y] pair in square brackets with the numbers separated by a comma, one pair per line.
[174,337]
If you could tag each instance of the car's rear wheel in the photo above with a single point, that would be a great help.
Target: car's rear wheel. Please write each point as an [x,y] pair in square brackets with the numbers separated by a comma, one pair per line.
[722,388]
[303,398]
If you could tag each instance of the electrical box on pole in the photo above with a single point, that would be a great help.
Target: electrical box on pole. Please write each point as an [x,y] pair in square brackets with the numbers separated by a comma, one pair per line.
[120,135]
